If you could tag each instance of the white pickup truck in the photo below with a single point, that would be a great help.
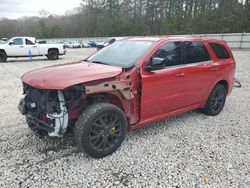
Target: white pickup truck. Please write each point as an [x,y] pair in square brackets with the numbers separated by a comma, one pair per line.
[28,46]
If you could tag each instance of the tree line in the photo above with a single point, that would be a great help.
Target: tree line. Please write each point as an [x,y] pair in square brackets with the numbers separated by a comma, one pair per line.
[97,18]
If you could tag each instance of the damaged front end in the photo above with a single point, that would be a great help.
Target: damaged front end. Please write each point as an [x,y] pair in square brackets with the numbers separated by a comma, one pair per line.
[47,111]
[52,112]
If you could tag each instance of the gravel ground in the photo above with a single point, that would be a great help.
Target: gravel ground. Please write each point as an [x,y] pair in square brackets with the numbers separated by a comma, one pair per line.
[191,150]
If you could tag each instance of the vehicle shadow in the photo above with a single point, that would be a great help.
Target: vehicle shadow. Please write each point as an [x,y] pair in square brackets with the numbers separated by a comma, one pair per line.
[56,144]
[167,123]
[54,148]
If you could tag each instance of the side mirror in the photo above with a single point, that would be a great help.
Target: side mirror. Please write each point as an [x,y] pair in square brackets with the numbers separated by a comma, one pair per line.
[11,43]
[155,63]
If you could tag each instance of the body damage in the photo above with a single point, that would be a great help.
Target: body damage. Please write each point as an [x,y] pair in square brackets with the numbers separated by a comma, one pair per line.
[59,94]
[59,77]
[53,111]
[125,86]
[123,91]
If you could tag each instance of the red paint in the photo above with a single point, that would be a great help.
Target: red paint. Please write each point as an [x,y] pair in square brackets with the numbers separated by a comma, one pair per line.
[165,95]
[157,94]
[62,76]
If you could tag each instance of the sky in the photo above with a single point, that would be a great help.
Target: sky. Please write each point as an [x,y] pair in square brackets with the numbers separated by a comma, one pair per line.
[19,8]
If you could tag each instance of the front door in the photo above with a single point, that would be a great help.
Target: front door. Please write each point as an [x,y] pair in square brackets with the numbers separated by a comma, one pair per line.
[164,90]
[15,47]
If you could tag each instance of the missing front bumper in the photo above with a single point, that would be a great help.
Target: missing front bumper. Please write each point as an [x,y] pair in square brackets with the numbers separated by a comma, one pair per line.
[37,124]
[21,107]
[55,123]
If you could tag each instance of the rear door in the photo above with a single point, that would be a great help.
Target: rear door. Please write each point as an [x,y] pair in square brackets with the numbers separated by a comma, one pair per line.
[164,90]
[200,70]
[31,47]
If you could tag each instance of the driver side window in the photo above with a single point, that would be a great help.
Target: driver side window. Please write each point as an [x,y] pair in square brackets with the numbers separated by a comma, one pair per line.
[170,52]
[18,41]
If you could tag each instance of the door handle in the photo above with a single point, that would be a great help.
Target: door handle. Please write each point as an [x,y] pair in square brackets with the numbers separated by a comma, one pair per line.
[214,68]
[20,46]
[180,74]
[34,46]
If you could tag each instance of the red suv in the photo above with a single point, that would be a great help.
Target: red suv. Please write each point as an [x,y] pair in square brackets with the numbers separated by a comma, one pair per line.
[126,85]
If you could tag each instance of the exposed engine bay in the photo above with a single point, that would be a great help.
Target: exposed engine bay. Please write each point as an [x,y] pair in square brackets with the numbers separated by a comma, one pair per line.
[47,111]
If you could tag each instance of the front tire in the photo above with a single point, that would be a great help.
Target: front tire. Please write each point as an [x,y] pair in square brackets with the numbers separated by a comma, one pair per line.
[100,130]
[3,57]
[53,55]
[216,100]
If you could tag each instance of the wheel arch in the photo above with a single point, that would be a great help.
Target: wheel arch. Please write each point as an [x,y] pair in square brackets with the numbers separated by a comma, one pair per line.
[56,49]
[105,97]
[224,83]
[207,108]
[3,51]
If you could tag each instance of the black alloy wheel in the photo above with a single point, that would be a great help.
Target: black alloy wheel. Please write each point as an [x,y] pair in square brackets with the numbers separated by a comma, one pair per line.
[100,129]
[216,100]
[105,132]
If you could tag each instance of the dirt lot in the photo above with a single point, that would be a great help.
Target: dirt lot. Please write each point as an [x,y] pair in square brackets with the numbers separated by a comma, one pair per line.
[191,150]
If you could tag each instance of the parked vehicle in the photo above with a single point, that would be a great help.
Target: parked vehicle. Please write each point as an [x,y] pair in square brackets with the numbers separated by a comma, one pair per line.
[104,44]
[42,42]
[125,86]
[65,43]
[84,44]
[92,44]
[24,46]
[74,45]
[5,39]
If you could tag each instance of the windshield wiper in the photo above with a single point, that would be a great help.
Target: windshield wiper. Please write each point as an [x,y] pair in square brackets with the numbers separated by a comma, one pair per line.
[99,62]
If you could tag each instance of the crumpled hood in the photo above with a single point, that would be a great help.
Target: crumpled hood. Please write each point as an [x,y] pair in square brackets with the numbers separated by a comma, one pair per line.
[62,76]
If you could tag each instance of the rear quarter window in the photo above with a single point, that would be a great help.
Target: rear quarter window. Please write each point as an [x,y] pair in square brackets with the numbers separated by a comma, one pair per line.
[220,51]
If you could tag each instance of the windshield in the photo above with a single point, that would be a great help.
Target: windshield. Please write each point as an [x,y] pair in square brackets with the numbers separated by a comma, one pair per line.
[121,53]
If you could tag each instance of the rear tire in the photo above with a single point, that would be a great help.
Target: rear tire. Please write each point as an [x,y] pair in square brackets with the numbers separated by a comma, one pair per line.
[100,130]
[216,101]
[53,55]
[3,57]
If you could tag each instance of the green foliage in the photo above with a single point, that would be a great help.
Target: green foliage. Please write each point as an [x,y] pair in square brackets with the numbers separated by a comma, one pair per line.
[137,17]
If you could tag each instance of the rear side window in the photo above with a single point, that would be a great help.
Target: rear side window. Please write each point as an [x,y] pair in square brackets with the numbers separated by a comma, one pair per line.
[220,51]
[195,52]
[28,42]
[171,53]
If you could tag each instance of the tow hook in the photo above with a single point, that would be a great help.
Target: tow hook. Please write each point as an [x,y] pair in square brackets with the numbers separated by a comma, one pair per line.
[237,83]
